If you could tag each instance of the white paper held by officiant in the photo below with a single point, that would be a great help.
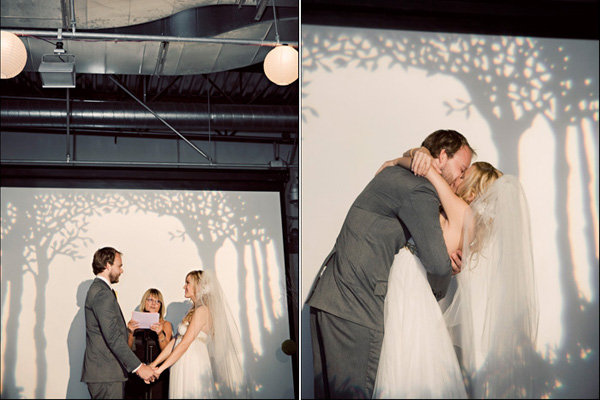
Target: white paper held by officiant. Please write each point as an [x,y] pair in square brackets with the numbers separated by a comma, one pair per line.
[145,319]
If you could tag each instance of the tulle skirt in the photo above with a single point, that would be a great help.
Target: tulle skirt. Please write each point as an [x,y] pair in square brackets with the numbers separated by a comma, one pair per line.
[191,376]
[417,356]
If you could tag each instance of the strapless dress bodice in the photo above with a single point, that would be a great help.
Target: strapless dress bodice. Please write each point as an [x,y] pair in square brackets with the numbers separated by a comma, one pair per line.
[183,327]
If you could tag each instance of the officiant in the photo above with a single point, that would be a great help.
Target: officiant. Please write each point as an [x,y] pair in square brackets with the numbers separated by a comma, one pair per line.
[149,333]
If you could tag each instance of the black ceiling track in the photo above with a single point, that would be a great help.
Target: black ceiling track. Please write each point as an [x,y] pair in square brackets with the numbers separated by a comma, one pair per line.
[575,19]
[143,178]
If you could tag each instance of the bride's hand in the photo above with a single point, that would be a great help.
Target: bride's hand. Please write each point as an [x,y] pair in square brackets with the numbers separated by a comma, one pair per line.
[386,164]
[422,161]
[456,259]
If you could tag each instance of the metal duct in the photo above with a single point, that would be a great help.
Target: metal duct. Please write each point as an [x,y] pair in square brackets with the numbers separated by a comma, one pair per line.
[17,113]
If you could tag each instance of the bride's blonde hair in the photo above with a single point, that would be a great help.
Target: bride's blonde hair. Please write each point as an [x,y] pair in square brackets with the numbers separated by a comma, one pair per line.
[201,291]
[483,175]
[474,186]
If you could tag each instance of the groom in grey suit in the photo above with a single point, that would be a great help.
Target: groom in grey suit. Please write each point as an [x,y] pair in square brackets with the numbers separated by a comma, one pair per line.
[348,296]
[107,358]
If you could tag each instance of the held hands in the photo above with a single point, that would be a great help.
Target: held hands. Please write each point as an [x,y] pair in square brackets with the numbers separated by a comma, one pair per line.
[155,375]
[146,373]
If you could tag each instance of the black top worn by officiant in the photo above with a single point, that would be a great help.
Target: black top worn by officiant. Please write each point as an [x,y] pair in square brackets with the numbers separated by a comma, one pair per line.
[145,346]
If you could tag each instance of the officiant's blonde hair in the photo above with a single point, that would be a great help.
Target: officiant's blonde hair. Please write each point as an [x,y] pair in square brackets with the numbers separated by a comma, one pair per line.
[154,293]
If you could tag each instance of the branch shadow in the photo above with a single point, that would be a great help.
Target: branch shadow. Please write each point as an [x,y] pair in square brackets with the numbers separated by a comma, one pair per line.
[76,345]
[48,225]
[510,82]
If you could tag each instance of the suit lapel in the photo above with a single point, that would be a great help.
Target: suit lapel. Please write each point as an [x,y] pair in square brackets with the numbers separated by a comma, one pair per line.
[119,307]
[116,301]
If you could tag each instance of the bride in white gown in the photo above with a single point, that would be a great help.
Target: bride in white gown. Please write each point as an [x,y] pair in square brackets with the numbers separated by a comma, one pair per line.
[417,358]
[493,316]
[191,376]
[207,347]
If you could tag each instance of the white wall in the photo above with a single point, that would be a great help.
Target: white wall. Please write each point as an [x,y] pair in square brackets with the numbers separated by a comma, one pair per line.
[527,105]
[50,235]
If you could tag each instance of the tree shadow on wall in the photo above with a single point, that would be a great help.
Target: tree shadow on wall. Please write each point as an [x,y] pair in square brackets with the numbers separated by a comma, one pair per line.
[271,356]
[48,225]
[12,287]
[510,81]
[34,233]
[76,345]
[210,218]
[175,313]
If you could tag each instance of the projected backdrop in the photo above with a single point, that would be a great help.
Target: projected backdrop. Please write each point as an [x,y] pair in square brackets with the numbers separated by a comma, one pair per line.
[527,105]
[48,240]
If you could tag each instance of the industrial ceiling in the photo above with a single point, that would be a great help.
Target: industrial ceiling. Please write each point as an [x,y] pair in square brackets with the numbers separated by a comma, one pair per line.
[210,79]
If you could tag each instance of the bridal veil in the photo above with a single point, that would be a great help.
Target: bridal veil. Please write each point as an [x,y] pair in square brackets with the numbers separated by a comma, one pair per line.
[225,348]
[493,316]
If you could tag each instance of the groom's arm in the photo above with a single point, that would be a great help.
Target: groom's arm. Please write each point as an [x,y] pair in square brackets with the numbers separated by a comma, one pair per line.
[423,223]
[110,323]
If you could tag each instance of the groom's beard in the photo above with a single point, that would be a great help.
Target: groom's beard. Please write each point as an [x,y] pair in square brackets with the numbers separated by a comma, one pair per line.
[451,181]
[114,278]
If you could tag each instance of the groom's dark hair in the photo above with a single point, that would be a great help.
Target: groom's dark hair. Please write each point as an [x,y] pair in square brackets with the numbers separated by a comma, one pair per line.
[103,256]
[445,139]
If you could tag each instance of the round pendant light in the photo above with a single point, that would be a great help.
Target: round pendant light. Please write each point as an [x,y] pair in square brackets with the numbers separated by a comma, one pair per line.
[281,65]
[14,55]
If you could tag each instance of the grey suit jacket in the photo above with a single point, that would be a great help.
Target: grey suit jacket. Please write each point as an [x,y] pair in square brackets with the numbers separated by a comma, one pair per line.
[393,207]
[108,357]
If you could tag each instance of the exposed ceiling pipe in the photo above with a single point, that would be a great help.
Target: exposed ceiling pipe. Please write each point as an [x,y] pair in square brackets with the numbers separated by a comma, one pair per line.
[73,21]
[192,145]
[68,138]
[146,38]
[139,164]
[16,113]
[283,138]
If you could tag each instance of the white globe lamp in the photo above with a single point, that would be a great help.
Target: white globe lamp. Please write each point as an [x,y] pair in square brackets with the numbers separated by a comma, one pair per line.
[281,65]
[14,55]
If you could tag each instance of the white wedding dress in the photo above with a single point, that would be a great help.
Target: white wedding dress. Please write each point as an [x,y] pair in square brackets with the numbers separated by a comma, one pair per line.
[492,319]
[417,356]
[493,316]
[191,377]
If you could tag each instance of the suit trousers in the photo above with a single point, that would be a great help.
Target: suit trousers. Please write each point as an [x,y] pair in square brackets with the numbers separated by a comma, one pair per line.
[106,390]
[345,356]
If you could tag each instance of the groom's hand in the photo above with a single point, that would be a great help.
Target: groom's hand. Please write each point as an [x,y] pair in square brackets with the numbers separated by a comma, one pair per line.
[156,373]
[146,373]
[456,259]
